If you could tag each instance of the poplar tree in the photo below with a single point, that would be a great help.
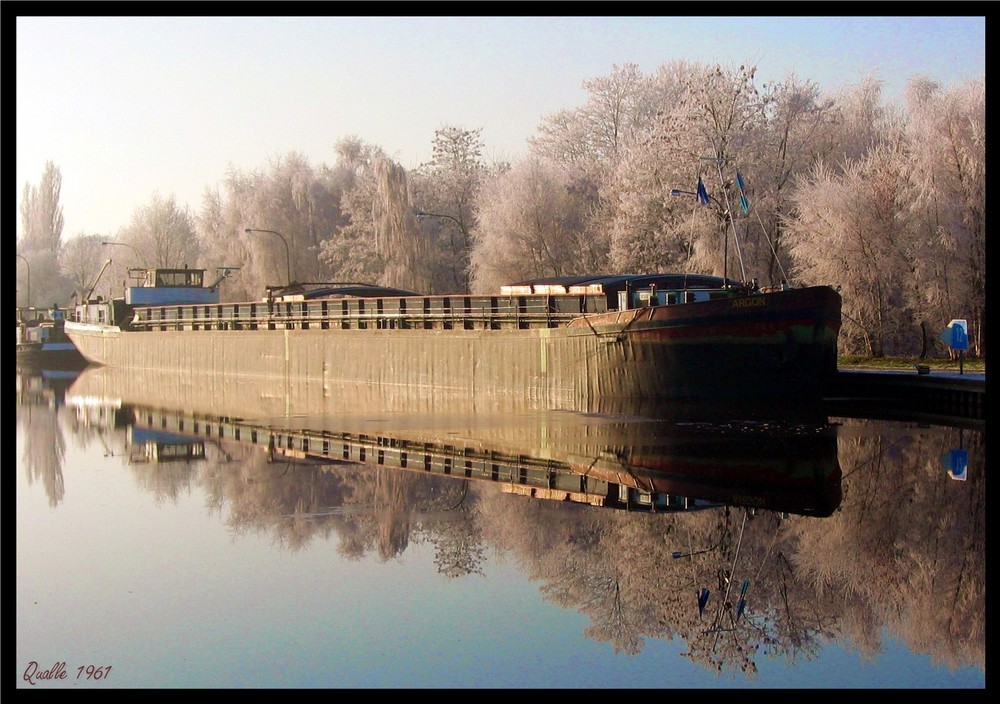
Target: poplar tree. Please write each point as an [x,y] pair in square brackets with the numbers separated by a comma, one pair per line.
[41,240]
[41,212]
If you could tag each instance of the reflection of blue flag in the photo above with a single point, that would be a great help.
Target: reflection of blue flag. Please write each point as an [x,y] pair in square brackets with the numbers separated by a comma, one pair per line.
[702,600]
[702,192]
[956,461]
[743,602]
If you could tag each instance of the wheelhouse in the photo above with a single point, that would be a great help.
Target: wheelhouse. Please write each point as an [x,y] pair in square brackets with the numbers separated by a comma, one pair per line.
[636,290]
[156,287]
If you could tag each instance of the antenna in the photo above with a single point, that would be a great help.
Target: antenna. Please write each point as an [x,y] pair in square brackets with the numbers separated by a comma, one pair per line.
[223,273]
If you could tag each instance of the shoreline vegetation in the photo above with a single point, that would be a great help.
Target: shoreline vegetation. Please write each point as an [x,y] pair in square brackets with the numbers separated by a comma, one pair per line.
[971,365]
[602,189]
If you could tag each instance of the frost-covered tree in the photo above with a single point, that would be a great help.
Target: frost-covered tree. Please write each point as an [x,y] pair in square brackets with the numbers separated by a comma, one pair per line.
[706,116]
[719,122]
[291,198]
[162,234]
[398,240]
[349,253]
[946,134]
[589,142]
[619,107]
[852,230]
[218,230]
[445,189]
[40,241]
[41,212]
[864,121]
[649,230]
[800,129]
[531,224]
[80,261]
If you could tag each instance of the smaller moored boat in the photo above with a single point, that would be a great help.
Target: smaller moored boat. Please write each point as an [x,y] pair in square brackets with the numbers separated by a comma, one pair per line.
[42,342]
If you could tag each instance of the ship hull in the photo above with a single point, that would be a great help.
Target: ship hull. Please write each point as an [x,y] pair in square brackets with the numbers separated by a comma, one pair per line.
[56,355]
[45,345]
[781,344]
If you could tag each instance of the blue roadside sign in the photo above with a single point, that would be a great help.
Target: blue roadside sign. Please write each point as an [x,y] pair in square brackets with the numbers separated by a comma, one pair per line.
[956,335]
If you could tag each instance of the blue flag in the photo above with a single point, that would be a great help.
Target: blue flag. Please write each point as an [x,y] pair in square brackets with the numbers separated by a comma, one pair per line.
[744,203]
[702,192]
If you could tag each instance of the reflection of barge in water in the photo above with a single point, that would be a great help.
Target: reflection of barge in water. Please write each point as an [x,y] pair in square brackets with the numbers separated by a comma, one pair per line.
[43,386]
[781,465]
[627,462]
[158,446]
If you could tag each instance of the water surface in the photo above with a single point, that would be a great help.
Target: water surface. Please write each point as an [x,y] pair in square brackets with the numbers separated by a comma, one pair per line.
[523,548]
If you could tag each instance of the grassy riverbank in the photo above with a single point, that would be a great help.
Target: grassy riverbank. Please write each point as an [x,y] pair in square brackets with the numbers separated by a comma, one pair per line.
[909,363]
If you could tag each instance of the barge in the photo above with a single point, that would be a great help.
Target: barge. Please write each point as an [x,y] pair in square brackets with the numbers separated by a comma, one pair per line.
[560,342]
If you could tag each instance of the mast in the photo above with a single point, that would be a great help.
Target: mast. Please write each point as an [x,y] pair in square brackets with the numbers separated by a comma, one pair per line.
[732,223]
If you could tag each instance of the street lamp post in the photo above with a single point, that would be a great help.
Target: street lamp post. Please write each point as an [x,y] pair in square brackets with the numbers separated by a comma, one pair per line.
[421,214]
[141,258]
[28,287]
[288,256]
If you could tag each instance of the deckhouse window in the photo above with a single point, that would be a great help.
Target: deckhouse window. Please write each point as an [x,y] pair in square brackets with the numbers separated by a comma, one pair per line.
[180,277]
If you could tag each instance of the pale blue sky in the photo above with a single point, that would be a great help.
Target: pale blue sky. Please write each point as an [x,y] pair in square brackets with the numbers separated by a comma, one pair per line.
[127,107]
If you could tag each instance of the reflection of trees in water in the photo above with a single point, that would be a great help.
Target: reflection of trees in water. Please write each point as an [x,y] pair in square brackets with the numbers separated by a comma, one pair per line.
[392,512]
[276,497]
[369,509]
[908,549]
[784,617]
[44,448]
[166,481]
[459,547]
[905,554]
[617,567]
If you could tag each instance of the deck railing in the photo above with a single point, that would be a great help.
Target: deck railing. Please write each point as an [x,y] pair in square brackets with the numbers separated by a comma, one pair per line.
[408,312]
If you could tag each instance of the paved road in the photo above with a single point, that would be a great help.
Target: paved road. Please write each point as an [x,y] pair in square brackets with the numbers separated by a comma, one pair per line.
[976,376]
